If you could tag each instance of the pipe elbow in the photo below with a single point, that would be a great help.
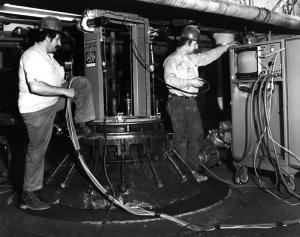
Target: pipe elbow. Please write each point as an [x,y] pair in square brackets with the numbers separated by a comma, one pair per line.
[82,25]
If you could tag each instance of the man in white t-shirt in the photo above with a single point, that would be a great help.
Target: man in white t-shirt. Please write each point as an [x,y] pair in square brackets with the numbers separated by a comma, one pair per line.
[42,93]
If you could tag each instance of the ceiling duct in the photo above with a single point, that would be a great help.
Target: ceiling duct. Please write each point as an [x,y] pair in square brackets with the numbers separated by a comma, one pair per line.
[255,14]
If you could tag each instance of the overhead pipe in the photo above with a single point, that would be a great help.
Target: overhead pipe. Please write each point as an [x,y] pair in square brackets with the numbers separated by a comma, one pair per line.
[256,14]
[8,20]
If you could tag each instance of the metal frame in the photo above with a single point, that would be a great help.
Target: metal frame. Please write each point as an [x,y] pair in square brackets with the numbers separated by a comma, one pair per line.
[140,76]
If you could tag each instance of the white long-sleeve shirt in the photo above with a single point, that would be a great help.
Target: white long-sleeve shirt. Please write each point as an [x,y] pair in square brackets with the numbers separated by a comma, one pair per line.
[178,69]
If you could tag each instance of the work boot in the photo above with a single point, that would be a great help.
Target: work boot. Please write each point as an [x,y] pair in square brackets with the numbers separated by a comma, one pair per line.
[44,196]
[29,200]
[82,130]
[199,177]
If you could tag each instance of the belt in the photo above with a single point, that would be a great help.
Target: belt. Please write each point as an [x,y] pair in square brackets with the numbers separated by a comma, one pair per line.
[182,97]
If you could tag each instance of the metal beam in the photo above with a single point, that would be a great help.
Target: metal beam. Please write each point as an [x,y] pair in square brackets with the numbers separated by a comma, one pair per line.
[256,14]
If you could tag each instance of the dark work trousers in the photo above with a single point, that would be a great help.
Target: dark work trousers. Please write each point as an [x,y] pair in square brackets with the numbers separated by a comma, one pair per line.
[39,126]
[187,127]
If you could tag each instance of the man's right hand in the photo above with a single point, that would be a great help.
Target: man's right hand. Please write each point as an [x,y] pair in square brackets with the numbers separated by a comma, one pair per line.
[44,89]
[197,82]
[231,44]
[70,92]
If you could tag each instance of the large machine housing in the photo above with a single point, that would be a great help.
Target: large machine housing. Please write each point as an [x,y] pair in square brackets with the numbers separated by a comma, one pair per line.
[116,57]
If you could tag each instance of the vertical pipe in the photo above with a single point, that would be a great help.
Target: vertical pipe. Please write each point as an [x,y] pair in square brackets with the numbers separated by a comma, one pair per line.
[113,64]
[1,60]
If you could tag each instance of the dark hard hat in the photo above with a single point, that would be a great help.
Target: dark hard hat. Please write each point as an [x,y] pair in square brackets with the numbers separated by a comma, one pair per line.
[51,23]
[191,32]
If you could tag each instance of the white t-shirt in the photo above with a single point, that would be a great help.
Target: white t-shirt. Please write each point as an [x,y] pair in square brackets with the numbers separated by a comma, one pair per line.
[36,64]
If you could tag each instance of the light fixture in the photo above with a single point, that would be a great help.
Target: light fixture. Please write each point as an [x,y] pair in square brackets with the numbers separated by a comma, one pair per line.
[36,12]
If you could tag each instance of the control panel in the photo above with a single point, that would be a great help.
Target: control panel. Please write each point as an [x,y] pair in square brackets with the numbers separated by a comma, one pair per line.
[270,59]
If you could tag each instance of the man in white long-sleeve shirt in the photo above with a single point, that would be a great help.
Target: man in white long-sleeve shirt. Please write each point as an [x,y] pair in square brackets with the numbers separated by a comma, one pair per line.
[181,75]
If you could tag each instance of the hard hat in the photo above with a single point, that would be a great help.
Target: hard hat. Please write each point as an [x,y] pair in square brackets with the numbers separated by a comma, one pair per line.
[51,23]
[191,32]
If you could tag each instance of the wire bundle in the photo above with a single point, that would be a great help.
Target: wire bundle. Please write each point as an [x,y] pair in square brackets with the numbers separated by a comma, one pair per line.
[264,88]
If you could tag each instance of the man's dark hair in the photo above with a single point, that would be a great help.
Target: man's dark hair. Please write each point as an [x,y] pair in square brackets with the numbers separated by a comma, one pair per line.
[182,41]
[45,32]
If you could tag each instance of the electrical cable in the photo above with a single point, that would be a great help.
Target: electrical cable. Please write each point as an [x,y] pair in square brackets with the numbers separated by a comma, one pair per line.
[263,85]
[142,62]
[264,129]
[124,17]
[248,131]
[279,170]
[262,139]
[213,175]
[133,210]
[147,67]
[281,199]
[285,149]
[248,137]
[267,98]
[261,125]
[262,80]
[107,178]
[142,212]
[274,143]
[152,82]
[294,3]
[76,144]
[181,231]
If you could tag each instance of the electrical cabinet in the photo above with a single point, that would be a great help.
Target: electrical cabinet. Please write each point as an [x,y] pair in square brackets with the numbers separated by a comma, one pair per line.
[265,98]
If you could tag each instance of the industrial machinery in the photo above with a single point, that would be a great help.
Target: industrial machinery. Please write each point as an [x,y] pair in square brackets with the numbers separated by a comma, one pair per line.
[265,114]
[116,60]
[133,155]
